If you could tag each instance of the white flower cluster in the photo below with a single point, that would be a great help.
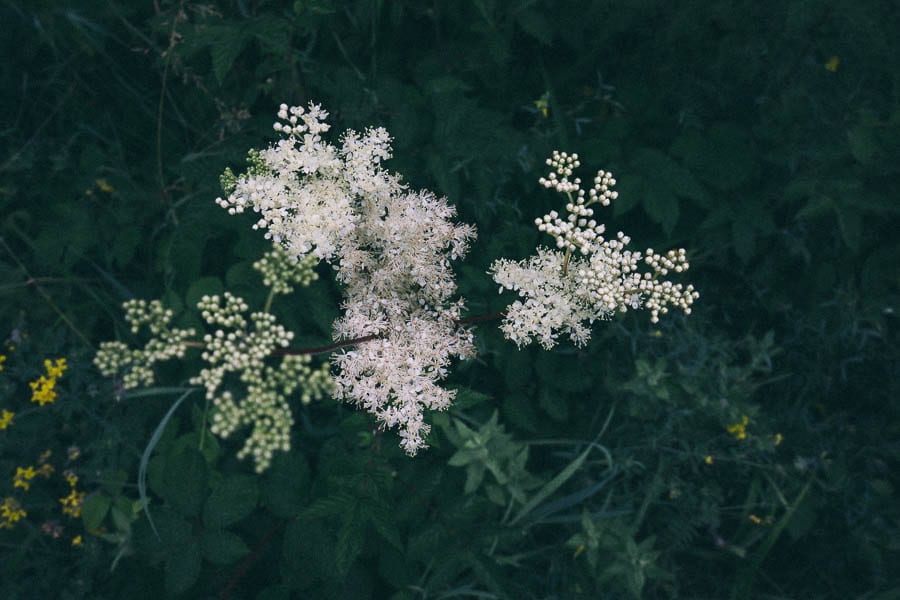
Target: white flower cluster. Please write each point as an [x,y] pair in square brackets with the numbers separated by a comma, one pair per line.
[243,352]
[392,249]
[238,351]
[587,277]
[136,365]
[281,272]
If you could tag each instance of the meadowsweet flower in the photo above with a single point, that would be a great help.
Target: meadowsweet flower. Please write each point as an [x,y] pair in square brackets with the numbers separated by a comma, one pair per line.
[240,347]
[587,276]
[136,366]
[391,248]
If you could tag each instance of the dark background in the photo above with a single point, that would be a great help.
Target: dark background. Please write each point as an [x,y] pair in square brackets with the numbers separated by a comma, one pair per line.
[762,136]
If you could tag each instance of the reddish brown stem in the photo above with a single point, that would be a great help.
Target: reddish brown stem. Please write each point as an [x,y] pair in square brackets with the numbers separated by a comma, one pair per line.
[360,340]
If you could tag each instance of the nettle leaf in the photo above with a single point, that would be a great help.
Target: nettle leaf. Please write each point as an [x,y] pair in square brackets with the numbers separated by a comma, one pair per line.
[222,547]
[227,45]
[185,480]
[721,156]
[174,531]
[94,510]
[204,286]
[554,404]
[863,144]
[275,592]
[850,224]
[285,485]
[231,500]
[182,568]
[536,25]
[350,540]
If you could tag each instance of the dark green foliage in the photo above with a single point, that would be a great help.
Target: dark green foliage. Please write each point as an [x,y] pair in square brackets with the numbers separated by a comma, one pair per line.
[762,136]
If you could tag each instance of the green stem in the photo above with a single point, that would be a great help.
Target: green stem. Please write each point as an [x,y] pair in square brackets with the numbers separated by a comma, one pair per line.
[268,305]
[34,281]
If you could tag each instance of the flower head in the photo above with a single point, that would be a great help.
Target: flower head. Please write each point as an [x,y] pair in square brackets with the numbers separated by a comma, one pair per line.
[587,276]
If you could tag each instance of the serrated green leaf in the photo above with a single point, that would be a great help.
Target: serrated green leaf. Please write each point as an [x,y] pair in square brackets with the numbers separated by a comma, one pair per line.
[204,286]
[185,480]
[222,547]
[285,485]
[535,25]
[349,540]
[863,144]
[94,510]
[554,404]
[231,500]
[182,568]
[332,504]
[224,50]
[662,207]
[275,592]
[850,224]
[114,481]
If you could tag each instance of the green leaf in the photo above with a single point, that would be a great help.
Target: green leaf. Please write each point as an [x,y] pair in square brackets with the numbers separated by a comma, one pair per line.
[863,144]
[275,592]
[184,481]
[554,484]
[204,286]
[536,25]
[114,481]
[182,568]
[850,224]
[222,547]
[285,485]
[94,510]
[224,50]
[333,504]
[231,500]
[554,404]
[349,541]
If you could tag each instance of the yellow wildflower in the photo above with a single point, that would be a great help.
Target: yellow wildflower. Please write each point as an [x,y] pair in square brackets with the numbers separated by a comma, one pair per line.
[54,371]
[756,520]
[6,418]
[77,541]
[72,503]
[103,185]
[23,477]
[543,104]
[2,360]
[43,391]
[778,439]
[46,470]
[739,430]
[71,477]
[10,512]
[832,63]
[708,460]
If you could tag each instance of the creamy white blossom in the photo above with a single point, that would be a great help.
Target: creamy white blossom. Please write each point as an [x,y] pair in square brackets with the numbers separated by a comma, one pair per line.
[587,277]
[392,249]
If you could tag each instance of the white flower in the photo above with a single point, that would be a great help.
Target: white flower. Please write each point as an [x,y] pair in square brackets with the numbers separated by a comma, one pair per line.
[392,249]
[587,277]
